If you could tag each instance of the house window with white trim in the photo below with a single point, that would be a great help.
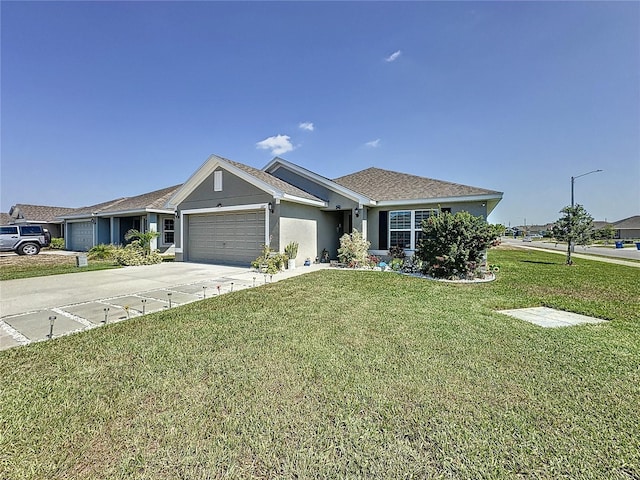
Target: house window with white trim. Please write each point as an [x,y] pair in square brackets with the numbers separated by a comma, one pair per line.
[405,227]
[168,230]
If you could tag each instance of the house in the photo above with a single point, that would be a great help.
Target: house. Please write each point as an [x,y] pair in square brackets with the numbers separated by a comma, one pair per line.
[628,228]
[108,222]
[226,211]
[47,217]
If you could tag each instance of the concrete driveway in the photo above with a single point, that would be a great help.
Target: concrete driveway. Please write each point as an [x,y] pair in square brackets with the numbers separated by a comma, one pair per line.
[85,300]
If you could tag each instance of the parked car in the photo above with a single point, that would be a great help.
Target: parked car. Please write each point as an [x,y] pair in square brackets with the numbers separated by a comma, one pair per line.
[526,239]
[23,239]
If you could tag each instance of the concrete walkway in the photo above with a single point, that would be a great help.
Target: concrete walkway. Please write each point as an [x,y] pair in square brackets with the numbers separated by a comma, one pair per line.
[81,301]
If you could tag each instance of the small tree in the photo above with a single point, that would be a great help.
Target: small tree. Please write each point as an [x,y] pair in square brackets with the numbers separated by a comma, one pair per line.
[575,227]
[354,250]
[453,246]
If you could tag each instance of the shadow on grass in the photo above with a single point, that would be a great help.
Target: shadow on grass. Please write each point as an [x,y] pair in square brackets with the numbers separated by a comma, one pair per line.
[539,262]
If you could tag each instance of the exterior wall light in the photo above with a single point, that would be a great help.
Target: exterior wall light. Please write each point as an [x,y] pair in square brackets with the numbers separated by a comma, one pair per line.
[270,207]
[338,207]
[357,211]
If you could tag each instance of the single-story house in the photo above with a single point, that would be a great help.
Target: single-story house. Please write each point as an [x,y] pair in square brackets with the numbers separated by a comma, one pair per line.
[226,211]
[628,228]
[47,217]
[108,222]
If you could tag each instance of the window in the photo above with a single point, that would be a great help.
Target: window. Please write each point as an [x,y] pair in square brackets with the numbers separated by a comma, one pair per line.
[217,181]
[9,230]
[168,226]
[405,227]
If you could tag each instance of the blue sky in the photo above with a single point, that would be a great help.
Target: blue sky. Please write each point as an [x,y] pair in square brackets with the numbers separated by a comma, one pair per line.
[108,99]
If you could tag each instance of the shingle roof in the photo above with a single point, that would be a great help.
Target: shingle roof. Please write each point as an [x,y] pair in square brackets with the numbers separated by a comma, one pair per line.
[5,219]
[38,213]
[273,181]
[631,222]
[153,200]
[381,185]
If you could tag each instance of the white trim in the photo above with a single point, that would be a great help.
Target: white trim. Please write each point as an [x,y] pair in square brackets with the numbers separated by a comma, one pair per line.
[431,201]
[306,201]
[331,185]
[206,169]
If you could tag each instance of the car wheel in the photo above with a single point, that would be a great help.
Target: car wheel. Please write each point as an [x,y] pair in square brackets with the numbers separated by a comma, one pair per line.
[28,249]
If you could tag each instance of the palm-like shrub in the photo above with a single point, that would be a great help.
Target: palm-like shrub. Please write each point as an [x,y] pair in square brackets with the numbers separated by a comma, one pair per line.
[144,238]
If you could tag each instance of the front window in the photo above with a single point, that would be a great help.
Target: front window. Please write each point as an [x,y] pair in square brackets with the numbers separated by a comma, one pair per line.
[405,227]
[168,225]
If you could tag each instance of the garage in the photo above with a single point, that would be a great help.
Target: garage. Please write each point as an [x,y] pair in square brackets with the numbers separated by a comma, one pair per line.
[81,237]
[231,237]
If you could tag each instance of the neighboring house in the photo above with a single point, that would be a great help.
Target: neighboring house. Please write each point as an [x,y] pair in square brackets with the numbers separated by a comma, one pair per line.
[628,228]
[47,217]
[108,222]
[227,211]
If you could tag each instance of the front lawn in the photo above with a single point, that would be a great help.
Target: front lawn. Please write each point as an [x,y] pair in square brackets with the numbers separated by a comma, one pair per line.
[342,374]
[27,266]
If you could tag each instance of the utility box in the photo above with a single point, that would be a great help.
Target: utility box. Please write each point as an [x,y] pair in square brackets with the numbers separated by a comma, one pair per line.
[81,260]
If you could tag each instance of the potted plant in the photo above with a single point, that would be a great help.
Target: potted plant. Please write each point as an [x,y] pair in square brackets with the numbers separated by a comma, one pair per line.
[291,250]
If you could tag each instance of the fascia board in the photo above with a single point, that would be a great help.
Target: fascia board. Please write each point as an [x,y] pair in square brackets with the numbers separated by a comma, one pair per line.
[139,211]
[305,201]
[207,169]
[420,201]
[330,184]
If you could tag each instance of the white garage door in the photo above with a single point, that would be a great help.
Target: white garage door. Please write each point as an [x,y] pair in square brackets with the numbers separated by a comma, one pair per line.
[81,236]
[234,238]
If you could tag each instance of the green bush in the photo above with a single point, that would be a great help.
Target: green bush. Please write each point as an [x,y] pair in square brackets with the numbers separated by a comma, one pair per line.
[269,261]
[135,254]
[354,250]
[101,252]
[453,246]
[57,244]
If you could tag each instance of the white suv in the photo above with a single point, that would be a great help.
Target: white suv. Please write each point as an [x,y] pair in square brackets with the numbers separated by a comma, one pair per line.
[23,239]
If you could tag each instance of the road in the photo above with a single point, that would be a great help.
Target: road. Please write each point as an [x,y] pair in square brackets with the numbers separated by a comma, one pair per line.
[610,251]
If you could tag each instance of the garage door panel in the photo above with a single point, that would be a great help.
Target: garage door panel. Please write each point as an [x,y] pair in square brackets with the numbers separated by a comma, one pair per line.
[81,238]
[226,237]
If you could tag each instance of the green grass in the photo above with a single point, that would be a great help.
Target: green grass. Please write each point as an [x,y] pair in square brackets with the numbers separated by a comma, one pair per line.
[339,374]
[29,267]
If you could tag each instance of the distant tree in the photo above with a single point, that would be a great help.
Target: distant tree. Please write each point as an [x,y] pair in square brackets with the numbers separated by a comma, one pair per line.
[453,246]
[574,227]
[606,233]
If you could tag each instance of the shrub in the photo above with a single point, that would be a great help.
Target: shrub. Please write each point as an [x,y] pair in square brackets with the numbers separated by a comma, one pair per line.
[135,254]
[354,250]
[453,246]
[269,261]
[397,252]
[101,252]
[57,244]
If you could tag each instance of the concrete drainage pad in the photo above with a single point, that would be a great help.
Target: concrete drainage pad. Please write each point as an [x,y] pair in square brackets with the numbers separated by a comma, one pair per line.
[550,318]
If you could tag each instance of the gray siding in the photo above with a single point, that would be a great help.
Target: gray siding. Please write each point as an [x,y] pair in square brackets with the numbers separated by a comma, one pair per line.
[235,191]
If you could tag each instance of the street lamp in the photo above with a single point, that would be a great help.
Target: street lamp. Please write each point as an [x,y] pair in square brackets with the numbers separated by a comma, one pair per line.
[573,179]
[570,243]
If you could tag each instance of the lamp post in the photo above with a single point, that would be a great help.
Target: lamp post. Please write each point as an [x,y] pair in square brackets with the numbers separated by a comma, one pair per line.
[570,242]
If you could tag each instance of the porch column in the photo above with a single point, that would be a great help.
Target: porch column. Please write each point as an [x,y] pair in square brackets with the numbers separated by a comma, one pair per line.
[152,222]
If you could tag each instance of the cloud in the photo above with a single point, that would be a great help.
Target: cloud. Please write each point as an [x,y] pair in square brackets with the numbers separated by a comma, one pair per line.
[373,143]
[306,126]
[393,56]
[278,144]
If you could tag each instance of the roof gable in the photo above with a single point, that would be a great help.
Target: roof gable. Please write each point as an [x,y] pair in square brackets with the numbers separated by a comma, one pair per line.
[258,178]
[386,185]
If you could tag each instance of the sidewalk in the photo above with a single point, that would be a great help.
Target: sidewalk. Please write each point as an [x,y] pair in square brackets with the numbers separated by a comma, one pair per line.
[82,301]
[595,256]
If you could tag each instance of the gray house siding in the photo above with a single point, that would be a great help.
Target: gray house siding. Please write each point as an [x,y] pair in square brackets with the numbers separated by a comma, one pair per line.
[373,217]
[235,191]
[316,189]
